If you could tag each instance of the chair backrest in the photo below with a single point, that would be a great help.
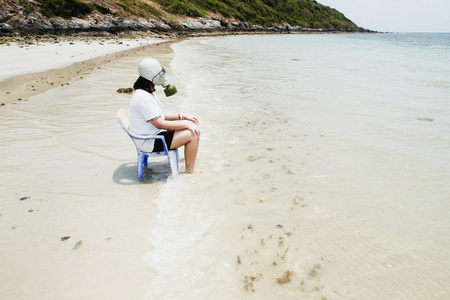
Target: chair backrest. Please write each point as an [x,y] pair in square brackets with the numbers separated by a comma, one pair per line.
[124,120]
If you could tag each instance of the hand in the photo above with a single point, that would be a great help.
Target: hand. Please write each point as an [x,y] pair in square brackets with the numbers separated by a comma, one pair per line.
[190,118]
[194,128]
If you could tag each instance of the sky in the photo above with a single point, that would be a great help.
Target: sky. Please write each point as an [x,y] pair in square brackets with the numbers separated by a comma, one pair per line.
[396,15]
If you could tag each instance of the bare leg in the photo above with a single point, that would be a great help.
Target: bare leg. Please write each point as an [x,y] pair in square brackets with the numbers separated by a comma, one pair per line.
[190,141]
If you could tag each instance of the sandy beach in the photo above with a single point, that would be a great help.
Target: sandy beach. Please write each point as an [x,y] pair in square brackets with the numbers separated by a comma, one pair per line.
[32,69]
[73,224]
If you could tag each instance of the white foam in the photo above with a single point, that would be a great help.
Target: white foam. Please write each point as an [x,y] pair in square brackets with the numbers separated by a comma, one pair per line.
[181,245]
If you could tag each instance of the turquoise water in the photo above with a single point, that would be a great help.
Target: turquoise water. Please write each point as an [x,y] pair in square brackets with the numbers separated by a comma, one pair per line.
[323,170]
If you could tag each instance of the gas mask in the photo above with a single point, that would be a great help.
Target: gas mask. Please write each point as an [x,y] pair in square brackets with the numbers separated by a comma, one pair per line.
[151,70]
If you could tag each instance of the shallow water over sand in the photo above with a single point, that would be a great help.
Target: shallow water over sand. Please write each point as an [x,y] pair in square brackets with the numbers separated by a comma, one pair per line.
[323,171]
[65,155]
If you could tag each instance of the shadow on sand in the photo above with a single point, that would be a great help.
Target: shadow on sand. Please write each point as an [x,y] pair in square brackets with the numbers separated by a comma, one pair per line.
[126,174]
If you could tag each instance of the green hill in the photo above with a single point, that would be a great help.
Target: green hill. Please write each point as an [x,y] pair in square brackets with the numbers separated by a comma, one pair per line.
[129,15]
[303,13]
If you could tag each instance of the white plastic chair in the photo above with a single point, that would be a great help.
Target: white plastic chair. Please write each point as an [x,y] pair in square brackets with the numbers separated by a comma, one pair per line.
[172,155]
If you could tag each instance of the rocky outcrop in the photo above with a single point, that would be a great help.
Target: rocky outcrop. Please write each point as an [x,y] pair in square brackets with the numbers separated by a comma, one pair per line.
[36,23]
[39,24]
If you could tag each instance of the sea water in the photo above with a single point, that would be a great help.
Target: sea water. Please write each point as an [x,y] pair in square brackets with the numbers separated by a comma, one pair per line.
[323,170]
[322,173]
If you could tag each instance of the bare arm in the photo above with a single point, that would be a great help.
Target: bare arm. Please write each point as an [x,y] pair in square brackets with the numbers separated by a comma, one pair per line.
[174,117]
[171,124]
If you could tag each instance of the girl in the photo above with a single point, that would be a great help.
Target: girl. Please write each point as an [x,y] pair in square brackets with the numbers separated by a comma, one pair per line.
[147,116]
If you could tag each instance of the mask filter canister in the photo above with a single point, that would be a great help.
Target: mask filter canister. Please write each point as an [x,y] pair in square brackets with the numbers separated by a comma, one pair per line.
[170,90]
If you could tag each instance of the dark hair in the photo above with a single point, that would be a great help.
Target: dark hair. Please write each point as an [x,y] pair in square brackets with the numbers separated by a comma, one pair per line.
[144,84]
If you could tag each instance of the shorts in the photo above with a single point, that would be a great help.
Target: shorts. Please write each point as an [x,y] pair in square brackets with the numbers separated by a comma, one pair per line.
[168,136]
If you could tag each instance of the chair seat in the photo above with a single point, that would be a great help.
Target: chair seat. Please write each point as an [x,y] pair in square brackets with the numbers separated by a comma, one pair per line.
[172,155]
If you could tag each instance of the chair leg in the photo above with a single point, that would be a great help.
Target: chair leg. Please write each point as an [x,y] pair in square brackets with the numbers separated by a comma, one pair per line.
[173,161]
[140,165]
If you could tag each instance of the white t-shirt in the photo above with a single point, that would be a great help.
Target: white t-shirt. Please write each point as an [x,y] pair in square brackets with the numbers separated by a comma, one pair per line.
[143,108]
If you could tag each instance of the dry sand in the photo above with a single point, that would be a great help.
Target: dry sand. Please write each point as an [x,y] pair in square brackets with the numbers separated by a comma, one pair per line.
[22,87]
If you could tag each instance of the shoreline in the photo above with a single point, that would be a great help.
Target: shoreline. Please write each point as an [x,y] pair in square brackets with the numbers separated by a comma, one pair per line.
[22,87]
